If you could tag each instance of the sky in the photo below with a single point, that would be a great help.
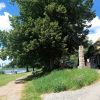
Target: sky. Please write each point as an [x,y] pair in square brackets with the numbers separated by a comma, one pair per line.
[95,29]
[6,10]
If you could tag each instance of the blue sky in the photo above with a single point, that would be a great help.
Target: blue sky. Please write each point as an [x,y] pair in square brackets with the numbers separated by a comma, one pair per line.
[6,10]
[95,33]
[12,9]
[96,7]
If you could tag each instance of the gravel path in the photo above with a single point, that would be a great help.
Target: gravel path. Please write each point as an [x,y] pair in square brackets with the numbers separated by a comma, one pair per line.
[11,91]
[91,92]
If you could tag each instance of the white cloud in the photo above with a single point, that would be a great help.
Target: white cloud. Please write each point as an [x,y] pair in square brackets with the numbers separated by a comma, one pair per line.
[4,62]
[2,5]
[5,22]
[95,29]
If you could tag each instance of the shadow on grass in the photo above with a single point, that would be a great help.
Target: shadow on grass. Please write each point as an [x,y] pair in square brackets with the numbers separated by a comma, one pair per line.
[34,75]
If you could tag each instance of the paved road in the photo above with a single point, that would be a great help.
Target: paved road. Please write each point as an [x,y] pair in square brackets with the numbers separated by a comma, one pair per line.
[91,92]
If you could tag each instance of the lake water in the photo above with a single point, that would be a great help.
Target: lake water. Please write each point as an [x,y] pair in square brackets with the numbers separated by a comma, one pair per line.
[14,71]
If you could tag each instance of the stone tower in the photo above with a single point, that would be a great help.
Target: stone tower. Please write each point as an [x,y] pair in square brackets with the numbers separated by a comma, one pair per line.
[81,57]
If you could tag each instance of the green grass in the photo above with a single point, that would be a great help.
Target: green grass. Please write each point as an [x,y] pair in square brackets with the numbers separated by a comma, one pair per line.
[5,78]
[58,81]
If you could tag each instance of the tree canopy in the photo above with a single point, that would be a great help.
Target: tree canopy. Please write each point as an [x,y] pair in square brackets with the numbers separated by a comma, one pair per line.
[45,30]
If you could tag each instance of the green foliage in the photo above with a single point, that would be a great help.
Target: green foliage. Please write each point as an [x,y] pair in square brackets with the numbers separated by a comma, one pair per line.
[74,59]
[59,81]
[3,38]
[50,44]
[3,44]
[46,30]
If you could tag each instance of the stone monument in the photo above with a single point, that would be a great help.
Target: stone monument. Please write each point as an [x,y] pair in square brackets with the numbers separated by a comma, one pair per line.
[81,57]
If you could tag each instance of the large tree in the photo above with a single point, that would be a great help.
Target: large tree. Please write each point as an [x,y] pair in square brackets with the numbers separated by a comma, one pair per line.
[46,29]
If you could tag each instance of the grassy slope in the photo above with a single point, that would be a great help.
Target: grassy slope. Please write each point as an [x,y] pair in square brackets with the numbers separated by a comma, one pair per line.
[59,81]
[5,78]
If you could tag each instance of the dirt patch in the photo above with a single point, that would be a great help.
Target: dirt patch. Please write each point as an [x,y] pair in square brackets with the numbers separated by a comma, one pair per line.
[11,91]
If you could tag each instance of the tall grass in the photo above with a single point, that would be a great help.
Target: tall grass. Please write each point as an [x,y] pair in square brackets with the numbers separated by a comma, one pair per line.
[58,81]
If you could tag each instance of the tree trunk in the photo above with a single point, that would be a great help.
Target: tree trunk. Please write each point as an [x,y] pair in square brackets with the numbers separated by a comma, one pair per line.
[27,70]
[51,64]
[45,66]
[33,69]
